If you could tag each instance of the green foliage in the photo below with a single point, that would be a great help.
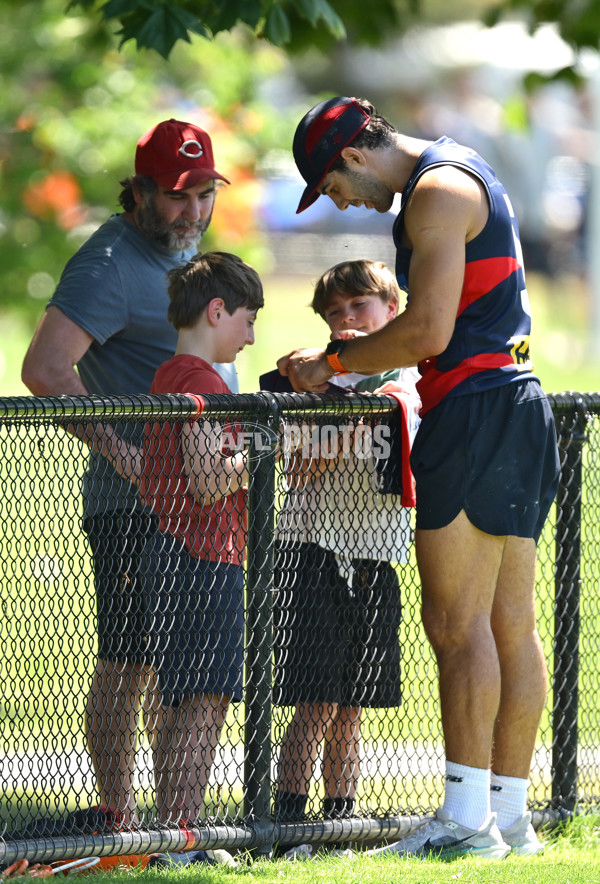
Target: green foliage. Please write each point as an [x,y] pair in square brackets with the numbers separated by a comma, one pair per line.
[302,24]
[295,24]
[73,107]
[578,20]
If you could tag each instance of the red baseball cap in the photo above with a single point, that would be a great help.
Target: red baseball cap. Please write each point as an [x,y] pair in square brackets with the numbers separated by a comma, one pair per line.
[176,155]
[321,136]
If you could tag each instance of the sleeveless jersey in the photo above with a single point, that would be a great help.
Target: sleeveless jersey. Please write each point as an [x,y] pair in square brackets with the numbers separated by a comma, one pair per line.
[490,343]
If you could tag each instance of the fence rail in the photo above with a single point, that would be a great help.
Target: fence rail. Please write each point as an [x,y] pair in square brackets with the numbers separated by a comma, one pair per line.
[50,621]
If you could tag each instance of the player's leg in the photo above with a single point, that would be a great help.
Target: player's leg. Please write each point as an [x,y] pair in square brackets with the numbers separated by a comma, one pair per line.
[522,662]
[459,567]
[522,697]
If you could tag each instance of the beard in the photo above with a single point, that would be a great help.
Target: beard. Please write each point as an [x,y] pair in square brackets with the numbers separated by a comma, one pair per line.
[177,236]
[369,189]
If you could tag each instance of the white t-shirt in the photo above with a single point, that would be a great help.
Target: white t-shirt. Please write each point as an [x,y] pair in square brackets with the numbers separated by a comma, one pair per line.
[342,509]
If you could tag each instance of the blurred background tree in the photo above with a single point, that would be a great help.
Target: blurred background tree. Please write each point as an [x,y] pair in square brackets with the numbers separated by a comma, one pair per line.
[72,108]
[298,24]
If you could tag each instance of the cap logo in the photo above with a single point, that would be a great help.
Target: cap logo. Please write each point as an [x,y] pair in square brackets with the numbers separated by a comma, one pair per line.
[192,149]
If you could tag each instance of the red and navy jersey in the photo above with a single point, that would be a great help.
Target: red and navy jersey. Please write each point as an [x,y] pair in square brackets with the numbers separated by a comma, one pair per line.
[490,343]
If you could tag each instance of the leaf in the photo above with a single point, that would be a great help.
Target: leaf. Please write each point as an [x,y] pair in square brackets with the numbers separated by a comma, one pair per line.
[86,4]
[277,26]
[334,23]
[231,11]
[161,29]
[120,8]
[310,10]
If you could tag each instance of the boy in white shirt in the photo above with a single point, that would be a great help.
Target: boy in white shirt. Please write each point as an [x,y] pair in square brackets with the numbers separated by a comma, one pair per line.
[337,603]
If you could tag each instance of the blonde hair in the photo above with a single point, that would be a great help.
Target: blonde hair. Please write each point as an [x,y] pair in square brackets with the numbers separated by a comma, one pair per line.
[351,278]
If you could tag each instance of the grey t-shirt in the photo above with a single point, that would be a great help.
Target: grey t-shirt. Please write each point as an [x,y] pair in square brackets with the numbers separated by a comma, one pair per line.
[115,288]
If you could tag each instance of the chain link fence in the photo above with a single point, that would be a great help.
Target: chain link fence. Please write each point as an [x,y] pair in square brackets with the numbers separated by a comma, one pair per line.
[175,674]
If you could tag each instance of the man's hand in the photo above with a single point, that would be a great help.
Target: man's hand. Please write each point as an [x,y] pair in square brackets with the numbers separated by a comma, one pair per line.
[308,370]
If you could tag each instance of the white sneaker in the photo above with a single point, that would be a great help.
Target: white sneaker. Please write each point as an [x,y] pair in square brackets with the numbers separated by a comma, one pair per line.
[340,852]
[444,838]
[298,852]
[521,837]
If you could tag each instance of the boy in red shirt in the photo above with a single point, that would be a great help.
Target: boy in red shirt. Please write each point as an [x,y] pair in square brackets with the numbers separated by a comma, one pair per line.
[196,615]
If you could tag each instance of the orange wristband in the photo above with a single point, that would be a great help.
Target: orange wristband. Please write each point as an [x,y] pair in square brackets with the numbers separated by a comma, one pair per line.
[334,362]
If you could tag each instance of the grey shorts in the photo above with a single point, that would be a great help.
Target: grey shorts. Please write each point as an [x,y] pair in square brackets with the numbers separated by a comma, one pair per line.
[493,454]
[119,542]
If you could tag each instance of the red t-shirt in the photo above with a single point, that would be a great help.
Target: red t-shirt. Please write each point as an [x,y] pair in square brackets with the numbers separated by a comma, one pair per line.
[216,532]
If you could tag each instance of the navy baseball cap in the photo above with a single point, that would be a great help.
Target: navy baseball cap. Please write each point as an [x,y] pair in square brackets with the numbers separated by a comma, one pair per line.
[320,137]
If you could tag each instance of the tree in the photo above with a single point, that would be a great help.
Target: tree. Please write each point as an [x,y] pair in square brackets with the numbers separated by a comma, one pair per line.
[578,21]
[73,108]
[295,24]
[300,24]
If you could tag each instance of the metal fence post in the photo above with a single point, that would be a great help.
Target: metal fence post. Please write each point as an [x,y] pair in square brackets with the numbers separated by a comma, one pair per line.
[566,617]
[257,726]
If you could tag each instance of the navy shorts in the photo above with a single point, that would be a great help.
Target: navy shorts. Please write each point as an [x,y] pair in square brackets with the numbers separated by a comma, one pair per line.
[493,454]
[335,639]
[198,624]
[119,542]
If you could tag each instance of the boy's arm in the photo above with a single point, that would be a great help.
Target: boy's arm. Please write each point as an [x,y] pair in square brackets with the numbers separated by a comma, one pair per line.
[211,476]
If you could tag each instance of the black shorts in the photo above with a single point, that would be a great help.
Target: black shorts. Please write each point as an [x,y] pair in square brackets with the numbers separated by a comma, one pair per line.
[335,641]
[493,454]
[198,624]
[119,542]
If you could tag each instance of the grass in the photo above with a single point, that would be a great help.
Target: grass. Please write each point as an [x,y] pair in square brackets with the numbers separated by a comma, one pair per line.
[571,857]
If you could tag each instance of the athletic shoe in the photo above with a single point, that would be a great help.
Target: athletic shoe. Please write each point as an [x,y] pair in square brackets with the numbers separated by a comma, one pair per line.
[521,837]
[298,852]
[218,856]
[313,851]
[189,857]
[444,838]
[340,852]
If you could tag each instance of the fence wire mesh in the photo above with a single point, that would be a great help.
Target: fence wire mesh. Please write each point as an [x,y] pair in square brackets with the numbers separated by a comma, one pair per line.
[235,656]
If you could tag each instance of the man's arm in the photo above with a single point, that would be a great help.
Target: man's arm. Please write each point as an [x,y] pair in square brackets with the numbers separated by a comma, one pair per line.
[446,210]
[49,370]
[56,347]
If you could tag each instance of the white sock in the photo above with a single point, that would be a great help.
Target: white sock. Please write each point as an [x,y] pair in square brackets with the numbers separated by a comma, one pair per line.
[508,798]
[467,795]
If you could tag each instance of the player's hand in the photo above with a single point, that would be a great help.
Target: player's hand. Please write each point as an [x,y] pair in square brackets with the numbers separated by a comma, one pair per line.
[308,370]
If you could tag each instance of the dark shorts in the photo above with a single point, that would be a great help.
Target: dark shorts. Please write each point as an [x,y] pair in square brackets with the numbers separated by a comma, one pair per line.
[493,454]
[198,624]
[335,642]
[119,543]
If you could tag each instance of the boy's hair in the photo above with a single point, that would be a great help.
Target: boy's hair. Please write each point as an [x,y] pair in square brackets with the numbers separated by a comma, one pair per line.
[351,278]
[212,275]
